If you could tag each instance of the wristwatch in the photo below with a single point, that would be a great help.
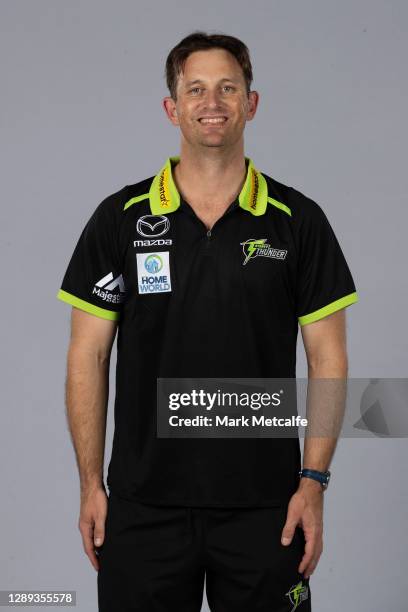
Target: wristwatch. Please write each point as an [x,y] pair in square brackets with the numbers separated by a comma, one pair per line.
[322,477]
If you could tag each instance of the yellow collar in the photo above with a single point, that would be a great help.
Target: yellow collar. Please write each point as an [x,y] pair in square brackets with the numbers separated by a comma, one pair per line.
[165,198]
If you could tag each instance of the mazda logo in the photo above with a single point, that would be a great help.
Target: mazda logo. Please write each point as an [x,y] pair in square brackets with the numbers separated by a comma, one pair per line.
[152,226]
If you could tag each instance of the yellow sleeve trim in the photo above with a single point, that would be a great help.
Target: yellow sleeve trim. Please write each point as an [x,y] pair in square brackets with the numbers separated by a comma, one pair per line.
[83,305]
[329,309]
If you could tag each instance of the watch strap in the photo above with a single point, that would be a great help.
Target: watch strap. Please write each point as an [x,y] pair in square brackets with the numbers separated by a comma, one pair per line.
[322,477]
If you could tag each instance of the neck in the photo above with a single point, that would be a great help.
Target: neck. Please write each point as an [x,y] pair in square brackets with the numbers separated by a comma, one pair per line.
[211,178]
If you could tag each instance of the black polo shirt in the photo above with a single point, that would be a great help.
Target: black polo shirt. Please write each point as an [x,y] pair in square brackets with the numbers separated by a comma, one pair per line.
[196,303]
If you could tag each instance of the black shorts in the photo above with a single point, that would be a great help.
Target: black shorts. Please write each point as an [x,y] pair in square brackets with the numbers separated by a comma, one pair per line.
[155,559]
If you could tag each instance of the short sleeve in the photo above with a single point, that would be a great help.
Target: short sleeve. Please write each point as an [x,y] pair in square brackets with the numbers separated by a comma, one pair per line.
[324,282]
[93,280]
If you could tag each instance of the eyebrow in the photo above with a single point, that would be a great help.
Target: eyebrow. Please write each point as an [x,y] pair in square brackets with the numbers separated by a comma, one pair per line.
[195,81]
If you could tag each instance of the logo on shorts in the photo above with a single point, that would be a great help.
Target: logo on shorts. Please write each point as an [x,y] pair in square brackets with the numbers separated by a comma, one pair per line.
[297,593]
[260,248]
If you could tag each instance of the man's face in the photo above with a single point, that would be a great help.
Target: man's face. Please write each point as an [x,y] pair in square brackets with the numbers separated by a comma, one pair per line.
[212,104]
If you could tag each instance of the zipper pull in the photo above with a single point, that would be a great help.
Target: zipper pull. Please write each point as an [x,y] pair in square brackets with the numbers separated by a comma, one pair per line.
[208,234]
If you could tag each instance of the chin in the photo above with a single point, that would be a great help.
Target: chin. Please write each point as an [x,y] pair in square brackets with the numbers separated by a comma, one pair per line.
[213,142]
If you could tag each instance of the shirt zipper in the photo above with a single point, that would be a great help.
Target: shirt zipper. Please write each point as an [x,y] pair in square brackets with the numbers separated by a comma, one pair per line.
[209,231]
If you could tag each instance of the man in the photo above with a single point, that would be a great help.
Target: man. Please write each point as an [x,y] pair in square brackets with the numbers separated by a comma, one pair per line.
[207,269]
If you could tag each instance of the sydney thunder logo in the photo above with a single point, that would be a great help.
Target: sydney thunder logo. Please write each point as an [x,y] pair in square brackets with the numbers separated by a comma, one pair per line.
[260,248]
[297,593]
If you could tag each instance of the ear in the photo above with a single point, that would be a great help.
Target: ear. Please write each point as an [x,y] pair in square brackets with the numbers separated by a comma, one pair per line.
[253,100]
[170,109]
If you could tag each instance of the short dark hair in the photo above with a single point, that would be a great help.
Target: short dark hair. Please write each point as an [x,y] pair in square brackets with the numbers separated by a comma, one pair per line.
[201,41]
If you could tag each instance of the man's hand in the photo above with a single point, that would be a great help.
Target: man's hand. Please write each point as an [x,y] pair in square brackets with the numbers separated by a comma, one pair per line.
[305,510]
[94,507]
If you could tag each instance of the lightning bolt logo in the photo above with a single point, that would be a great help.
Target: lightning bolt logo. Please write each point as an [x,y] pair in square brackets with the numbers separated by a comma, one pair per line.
[250,248]
[297,593]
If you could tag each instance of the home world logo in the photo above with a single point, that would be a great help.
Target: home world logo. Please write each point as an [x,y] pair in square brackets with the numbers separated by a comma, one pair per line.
[153,272]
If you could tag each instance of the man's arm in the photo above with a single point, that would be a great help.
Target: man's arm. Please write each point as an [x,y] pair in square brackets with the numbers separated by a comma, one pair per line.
[326,352]
[87,391]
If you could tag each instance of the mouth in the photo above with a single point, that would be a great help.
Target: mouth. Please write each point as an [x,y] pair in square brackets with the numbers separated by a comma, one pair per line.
[218,120]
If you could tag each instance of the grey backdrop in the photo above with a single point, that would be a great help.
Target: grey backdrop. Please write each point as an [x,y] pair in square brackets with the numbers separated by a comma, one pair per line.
[81,90]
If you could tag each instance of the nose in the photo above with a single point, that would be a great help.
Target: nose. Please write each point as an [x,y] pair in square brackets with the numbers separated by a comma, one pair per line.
[213,98]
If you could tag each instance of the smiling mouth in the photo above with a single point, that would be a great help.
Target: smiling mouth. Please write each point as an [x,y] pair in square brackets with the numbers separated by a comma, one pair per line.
[213,120]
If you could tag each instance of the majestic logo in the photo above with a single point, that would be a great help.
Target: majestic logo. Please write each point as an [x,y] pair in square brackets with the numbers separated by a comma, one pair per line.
[260,248]
[152,226]
[105,287]
[297,593]
[153,272]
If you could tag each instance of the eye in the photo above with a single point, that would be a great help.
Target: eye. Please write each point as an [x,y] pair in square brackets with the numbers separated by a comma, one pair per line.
[228,87]
[195,90]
